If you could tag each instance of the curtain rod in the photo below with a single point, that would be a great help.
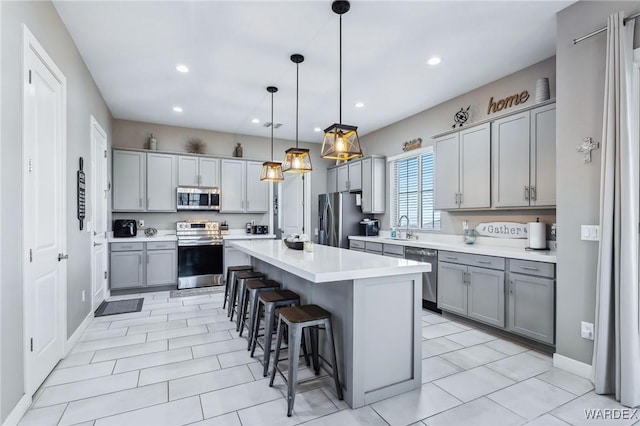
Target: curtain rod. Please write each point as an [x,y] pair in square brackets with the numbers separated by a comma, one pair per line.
[603,29]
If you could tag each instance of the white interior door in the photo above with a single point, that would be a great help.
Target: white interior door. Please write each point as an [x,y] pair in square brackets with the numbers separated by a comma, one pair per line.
[99,193]
[44,212]
[291,204]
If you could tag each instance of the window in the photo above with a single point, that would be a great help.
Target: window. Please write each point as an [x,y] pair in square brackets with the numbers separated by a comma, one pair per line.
[412,190]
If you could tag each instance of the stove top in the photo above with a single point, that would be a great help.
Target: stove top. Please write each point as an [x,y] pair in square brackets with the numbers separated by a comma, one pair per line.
[198,231]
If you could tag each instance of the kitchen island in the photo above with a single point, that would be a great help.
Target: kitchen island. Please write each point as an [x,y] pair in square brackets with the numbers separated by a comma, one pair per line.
[376,304]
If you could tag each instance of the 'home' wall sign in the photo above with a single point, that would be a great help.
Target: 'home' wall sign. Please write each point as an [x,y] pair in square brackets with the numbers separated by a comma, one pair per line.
[507,102]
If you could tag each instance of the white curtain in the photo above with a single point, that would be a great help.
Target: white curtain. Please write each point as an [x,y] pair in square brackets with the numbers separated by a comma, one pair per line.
[616,357]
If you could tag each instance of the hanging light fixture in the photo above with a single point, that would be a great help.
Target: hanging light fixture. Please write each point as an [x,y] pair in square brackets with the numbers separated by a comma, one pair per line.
[271,170]
[297,160]
[341,141]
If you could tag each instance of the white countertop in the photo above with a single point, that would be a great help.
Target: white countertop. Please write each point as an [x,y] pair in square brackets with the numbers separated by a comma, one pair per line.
[455,243]
[326,264]
[170,235]
[244,236]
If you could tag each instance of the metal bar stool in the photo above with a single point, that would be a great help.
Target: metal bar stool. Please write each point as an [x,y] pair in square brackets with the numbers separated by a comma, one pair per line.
[238,290]
[296,319]
[230,284]
[269,302]
[249,304]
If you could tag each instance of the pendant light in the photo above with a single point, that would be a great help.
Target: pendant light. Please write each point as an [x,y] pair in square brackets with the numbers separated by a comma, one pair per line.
[271,170]
[297,160]
[341,141]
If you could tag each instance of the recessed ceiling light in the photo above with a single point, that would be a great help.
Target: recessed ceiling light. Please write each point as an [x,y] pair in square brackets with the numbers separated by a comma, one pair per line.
[182,68]
[317,129]
[255,120]
[435,60]
[177,109]
[359,104]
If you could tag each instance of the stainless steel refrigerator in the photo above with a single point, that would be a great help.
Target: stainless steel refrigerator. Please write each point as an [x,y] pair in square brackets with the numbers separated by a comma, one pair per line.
[339,217]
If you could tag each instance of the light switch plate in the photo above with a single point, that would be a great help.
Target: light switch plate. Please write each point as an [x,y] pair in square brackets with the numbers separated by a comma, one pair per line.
[590,232]
[586,330]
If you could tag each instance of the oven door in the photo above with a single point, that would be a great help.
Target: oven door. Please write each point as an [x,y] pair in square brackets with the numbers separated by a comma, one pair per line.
[192,199]
[200,265]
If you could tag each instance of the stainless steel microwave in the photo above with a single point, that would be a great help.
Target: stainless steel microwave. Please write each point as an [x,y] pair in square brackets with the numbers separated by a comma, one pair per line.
[198,198]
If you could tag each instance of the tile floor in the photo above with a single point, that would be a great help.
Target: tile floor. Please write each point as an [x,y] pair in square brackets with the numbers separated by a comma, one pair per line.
[180,361]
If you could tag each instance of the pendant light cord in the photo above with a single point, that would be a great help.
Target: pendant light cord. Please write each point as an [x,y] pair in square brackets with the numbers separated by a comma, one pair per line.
[271,126]
[340,69]
[297,89]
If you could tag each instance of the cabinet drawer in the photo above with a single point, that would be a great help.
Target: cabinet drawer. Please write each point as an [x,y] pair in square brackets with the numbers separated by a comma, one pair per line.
[373,247]
[393,249]
[538,269]
[126,246]
[473,260]
[161,245]
[355,244]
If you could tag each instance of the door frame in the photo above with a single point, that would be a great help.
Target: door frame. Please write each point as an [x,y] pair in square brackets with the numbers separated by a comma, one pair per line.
[306,205]
[96,127]
[31,44]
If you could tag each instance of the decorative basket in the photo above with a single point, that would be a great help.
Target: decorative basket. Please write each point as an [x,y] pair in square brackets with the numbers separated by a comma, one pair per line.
[296,245]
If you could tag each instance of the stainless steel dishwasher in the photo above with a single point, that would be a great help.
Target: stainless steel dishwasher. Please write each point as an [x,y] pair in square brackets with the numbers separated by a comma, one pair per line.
[429,279]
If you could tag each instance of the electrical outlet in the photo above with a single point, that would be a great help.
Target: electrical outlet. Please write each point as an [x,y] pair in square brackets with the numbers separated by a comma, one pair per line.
[141,224]
[83,295]
[587,330]
[590,232]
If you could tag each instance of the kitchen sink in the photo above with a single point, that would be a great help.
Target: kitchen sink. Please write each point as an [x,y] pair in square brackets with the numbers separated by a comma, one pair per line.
[397,239]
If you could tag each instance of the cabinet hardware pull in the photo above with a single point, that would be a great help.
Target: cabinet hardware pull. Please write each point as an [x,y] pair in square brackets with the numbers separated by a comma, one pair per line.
[526,193]
[485,262]
[460,200]
[451,257]
[97,244]
[140,202]
[532,191]
[529,268]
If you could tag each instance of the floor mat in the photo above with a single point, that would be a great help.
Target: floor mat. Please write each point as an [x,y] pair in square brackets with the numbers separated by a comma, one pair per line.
[119,307]
[196,291]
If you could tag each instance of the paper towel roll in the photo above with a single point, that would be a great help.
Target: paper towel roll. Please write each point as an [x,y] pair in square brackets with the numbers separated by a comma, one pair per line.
[537,235]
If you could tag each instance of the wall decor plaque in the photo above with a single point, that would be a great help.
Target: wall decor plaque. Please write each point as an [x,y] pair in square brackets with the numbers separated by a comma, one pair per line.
[502,229]
[412,144]
[508,102]
[81,198]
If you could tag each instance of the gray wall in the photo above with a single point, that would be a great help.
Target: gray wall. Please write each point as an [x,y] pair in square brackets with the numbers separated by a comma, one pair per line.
[83,99]
[388,141]
[580,81]
[133,134]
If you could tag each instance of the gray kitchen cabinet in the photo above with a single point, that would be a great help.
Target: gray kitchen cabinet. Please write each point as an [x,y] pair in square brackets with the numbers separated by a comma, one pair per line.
[356,245]
[543,156]
[162,261]
[355,175]
[332,180]
[257,192]
[234,257]
[126,269]
[371,247]
[342,178]
[161,182]
[452,287]
[129,181]
[233,184]
[393,250]
[137,265]
[373,185]
[198,171]
[188,173]
[446,172]
[486,295]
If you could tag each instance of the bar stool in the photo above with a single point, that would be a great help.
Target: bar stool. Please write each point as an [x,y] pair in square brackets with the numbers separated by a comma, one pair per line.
[296,319]
[230,284]
[238,290]
[269,302]
[249,304]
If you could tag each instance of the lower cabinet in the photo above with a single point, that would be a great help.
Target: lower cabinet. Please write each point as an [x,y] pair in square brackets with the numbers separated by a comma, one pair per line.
[126,269]
[356,245]
[138,265]
[234,257]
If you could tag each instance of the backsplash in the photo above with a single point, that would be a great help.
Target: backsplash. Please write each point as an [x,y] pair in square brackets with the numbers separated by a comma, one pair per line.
[168,220]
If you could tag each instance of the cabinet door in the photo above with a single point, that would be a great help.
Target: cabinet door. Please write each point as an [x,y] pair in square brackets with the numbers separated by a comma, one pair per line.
[531,308]
[209,172]
[475,167]
[486,296]
[343,178]
[446,172]
[161,267]
[188,171]
[452,288]
[257,200]
[129,181]
[332,180]
[161,182]
[234,257]
[233,186]
[543,156]
[126,269]
[367,185]
[355,176]
[510,152]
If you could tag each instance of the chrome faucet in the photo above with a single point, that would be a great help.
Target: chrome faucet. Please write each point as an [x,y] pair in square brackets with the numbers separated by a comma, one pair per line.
[408,233]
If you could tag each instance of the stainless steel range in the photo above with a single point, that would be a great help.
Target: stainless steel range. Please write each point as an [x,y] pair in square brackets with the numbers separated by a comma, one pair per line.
[200,254]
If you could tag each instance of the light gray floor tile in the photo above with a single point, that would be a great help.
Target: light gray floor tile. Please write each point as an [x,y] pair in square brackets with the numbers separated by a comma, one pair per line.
[434,319]
[164,305]
[417,404]
[463,325]
[119,317]
[308,406]
[214,305]
[574,412]
[542,355]
[471,338]
[220,326]
[114,342]
[196,300]
[175,310]
[230,419]
[125,297]
[206,382]
[439,330]
[82,372]
[238,397]
[74,360]
[130,350]
[231,359]
[506,347]
[436,368]
[157,326]
[362,416]
[114,403]
[138,321]
[473,356]
[531,398]
[152,360]
[176,370]
[481,412]
[207,320]
[473,383]
[86,388]
[199,339]
[96,326]
[176,332]
[194,314]
[102,334]
[219,347]
[520,367]
[161,295]
[547,420]
[154,301]
[441,345]
[176,413]
[570,382]
[48,416]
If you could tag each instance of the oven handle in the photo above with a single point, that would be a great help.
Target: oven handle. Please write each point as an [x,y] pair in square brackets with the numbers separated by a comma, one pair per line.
[199,243]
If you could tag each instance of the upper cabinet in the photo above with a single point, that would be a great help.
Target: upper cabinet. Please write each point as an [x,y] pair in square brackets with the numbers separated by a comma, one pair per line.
[241,188]
[257,197]
[373,184]
[198,171]
[355,175]
[162,170]
[332,180]
[129,181]
[348,177]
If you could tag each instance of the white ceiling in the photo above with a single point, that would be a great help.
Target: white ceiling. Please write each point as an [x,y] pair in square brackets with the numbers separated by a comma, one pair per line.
[234,49]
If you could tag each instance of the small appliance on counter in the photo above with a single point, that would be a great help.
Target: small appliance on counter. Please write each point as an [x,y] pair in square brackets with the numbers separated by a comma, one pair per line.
[260,229]
[369,227]
[125,228]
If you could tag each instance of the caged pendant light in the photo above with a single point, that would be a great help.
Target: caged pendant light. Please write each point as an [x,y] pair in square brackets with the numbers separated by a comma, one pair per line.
[341,141]
[297,160]
[271,170]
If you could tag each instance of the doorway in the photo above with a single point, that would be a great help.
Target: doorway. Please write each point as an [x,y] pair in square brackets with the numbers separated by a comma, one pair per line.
[99,205]
[294,211]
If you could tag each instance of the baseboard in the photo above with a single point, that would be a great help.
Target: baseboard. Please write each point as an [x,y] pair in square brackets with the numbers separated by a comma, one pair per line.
[572,366]
[76,335]
[18,411]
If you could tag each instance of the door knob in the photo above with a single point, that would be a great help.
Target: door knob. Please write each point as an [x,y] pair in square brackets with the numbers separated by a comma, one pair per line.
[62,257]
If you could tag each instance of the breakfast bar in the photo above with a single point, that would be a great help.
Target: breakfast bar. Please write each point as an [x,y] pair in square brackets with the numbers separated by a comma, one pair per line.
[376,307]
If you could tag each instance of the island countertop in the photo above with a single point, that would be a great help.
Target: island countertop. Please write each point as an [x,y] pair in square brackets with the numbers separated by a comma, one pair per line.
[327,264]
